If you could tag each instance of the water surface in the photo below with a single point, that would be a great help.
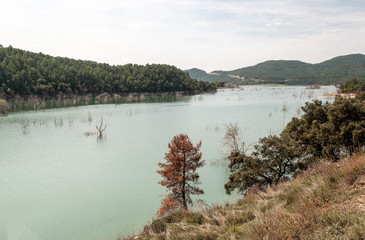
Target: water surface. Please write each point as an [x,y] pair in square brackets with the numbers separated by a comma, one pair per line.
[57,183]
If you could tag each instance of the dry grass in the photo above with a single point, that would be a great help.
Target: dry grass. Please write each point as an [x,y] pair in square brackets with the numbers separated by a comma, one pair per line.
[325,202]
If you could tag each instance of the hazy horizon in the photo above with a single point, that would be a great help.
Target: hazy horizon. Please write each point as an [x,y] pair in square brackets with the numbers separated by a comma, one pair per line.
[205,34]
[193,67]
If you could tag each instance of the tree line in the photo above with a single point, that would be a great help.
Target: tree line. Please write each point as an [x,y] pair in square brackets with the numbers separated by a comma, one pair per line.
[354,85]
[25,73]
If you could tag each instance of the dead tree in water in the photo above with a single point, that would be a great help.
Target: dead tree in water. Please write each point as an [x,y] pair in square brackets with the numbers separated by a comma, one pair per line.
[101,128]
[232,138]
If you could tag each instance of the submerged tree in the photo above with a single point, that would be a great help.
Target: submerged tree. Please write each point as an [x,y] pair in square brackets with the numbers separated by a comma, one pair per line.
[233,139]
[179,173]
[100,127]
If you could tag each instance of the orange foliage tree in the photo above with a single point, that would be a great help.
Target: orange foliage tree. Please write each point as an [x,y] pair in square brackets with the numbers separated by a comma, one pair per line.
[179,174]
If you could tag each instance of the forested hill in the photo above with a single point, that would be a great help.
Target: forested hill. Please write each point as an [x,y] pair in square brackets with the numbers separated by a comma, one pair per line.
[210,77]
[24,73]
[334,71]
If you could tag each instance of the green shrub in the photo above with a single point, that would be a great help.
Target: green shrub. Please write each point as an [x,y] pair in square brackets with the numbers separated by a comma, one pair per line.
[195,218]
[3,106]
[117,98]
[158,226]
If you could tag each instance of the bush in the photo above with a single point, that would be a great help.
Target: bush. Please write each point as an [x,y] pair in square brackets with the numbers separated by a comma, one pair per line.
[3,106]
[158,226]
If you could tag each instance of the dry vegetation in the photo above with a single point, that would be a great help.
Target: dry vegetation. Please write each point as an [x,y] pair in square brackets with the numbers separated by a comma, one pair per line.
[325,202]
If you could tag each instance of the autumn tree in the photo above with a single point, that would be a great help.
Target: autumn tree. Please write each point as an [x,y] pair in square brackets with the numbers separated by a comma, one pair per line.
[179,174]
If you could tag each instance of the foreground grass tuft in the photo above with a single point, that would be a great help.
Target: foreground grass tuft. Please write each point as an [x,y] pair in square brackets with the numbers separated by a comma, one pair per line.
[325,202]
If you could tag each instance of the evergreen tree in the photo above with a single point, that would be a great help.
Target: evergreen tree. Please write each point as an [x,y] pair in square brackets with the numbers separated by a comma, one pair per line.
[179,174]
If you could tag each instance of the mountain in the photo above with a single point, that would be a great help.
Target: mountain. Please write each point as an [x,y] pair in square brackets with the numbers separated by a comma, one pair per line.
[333,71]
[210,77]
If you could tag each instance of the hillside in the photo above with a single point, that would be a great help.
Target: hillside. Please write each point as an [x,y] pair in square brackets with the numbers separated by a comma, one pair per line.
[325,202]
[210,77]
[26,73]
[333,71]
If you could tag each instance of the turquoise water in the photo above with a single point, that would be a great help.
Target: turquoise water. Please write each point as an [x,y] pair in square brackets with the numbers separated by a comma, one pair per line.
[57,183]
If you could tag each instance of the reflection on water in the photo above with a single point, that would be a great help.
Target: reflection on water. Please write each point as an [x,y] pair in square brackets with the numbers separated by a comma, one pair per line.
[56,182]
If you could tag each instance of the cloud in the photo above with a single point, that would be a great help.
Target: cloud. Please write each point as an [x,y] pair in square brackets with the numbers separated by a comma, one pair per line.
[211,34]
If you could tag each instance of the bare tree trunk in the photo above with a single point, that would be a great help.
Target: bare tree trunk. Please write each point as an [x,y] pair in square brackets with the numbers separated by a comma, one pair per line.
[101,128]
[183,187]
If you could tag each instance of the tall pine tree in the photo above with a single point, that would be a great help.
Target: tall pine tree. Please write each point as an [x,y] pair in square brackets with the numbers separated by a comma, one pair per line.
[179,174]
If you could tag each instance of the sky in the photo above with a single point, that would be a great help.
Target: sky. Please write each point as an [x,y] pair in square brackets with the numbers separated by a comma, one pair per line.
[206,34]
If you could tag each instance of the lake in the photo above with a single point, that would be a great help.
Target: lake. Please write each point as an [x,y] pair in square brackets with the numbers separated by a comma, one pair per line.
[57,183]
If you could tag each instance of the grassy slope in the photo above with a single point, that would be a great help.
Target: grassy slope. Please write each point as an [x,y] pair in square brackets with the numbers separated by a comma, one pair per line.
[326,202]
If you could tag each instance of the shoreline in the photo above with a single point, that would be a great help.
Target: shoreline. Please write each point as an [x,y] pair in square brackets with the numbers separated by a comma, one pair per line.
[35,102]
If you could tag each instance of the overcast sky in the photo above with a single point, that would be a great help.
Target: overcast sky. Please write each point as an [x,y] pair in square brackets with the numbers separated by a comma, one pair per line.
[207,34]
